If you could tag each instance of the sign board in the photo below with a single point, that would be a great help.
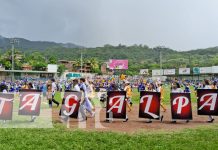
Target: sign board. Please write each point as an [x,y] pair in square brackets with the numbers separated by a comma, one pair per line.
[116,104]
[215,69]
[207,102]
[144,72]
[30,102]
[6,106]
[196,70]
[149,106]
[70,104]
[169,71]
[205,70]
[118,64]
[157,72]
[181,106]
[184,71]
[52,68]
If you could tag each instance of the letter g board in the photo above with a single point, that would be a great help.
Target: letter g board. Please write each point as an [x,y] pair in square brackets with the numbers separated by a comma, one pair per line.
[207,102]
[181,106]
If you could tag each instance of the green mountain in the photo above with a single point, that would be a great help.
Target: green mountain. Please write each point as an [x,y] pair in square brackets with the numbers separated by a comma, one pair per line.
[27,45]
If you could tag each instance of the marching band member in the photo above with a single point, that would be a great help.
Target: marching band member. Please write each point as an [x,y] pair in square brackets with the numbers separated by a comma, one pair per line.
[161,90]
[128,90]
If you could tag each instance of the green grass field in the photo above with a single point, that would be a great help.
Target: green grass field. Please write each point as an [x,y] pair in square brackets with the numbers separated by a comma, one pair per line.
[60,137]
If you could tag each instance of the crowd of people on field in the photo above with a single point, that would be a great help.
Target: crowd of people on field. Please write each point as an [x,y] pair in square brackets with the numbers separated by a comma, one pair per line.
[92,87]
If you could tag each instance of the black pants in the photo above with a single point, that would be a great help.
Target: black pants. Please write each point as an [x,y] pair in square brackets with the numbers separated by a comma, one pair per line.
[53,100]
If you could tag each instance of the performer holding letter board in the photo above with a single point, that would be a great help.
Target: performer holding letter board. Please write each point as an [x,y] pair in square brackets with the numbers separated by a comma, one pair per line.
[6,106]
[207,101]
[70,104]
[149,106]
[180,104]
[30,103]
[116,105]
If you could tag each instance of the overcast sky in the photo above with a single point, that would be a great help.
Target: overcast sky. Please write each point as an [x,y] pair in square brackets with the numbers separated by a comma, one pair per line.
[178,24]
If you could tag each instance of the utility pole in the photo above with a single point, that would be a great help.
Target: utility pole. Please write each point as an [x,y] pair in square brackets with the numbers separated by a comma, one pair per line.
[81,61]
[160,60]
[13,41]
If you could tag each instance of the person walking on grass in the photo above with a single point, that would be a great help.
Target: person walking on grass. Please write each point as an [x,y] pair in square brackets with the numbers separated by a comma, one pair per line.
[86,102]
[177,89]
[128,90]
[76,88]
[54,89]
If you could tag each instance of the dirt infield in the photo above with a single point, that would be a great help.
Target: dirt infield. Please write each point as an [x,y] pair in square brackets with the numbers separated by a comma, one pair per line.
[134,124]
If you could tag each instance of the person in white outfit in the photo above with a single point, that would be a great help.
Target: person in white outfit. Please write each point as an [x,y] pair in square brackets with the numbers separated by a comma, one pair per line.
[76,88]
[87,104]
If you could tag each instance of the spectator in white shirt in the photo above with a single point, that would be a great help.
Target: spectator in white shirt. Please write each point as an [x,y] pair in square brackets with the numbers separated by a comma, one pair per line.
[54,88]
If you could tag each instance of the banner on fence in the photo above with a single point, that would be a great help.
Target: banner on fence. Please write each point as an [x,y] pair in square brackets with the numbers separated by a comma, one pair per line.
[169,71]
[184,71]
[207,102]
[70,104]
[116,104]
[6,106]
[214,69]
[30,102]
[149,106]
[144,72]
[205,70]
[157,72]
[196,70]
[181,106]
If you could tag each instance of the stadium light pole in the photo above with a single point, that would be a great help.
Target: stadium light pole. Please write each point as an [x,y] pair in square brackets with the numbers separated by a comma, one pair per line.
[12,42]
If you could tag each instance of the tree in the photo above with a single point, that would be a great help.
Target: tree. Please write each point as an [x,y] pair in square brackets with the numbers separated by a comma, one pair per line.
[61,69]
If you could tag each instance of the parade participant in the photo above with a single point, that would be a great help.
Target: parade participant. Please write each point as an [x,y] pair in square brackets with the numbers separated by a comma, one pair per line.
[44,90]
[81,108]
[30,87]
[25,86]
[3,88]
[161,90]
[177,89]
[207,86]
[86,101]
[52,86]
[214,86]
[187,89]
[152,88]
[141,86]
[91,93]
[128,90]
[75,86]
